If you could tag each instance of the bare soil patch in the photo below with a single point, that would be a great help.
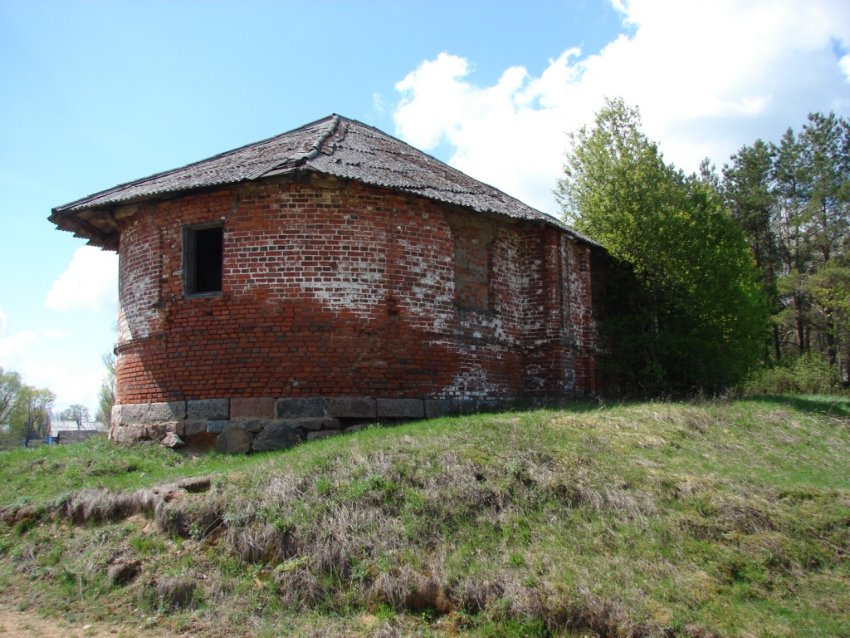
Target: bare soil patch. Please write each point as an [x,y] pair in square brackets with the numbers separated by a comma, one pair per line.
[15,624]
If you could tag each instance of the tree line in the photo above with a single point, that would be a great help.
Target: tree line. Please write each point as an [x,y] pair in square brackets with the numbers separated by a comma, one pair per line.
[712,276]
[792,200]
[26,411]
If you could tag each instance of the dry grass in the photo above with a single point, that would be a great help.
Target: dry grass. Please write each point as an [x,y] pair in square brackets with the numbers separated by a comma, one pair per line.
[646,520]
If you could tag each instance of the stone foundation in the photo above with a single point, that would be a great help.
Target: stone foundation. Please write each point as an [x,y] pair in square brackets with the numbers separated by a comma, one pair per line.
[240,425]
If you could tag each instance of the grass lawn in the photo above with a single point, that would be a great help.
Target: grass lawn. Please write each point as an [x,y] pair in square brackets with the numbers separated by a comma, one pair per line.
[727,518]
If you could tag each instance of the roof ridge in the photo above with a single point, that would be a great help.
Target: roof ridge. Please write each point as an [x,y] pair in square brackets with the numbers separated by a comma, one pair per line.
[317,147]
[313,153]
[438,161]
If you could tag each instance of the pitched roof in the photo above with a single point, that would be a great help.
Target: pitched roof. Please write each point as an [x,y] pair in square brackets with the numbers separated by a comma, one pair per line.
[58,426]
[334,145]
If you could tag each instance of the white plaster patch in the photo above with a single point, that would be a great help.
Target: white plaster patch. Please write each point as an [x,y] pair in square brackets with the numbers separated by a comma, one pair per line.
[432,294]
[481,324]
[472,382]
[357,287]
[138,284]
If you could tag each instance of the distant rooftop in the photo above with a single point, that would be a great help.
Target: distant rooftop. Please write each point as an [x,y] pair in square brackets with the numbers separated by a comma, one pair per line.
[334,145]
[57,426]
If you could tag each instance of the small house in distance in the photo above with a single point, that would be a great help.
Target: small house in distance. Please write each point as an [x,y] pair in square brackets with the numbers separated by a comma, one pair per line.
[73,432]
[330,275]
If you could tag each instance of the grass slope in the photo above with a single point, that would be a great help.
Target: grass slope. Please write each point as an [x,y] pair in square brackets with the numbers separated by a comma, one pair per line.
[654,519]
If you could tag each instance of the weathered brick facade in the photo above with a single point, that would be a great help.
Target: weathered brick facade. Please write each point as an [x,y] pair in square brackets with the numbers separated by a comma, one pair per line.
[350,291]
[341,300]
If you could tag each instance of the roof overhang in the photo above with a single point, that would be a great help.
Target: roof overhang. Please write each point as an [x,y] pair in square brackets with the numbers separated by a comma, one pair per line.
[334,148]
[98,227]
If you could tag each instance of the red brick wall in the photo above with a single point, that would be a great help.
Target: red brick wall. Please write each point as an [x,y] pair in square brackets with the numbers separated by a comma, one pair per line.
[346,289]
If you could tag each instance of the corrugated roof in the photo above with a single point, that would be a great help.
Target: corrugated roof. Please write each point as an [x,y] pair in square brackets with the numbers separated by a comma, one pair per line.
[64,426]
[335,146]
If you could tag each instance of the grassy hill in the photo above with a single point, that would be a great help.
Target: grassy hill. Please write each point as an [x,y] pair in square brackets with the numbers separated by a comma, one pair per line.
[652,519]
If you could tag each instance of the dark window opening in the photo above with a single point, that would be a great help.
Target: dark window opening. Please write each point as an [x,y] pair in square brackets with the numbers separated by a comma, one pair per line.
[204,254]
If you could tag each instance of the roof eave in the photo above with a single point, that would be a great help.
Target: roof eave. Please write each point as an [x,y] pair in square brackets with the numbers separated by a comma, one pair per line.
[72,219]
[84,229]
[545,219]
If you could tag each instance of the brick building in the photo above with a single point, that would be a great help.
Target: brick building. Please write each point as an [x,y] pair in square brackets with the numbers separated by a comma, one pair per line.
[291,287]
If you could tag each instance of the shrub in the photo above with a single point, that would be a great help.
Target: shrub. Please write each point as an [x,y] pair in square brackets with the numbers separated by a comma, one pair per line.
[809,374]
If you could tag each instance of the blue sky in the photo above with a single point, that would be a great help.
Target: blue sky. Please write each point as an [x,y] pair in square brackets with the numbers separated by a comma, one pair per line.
[97,93]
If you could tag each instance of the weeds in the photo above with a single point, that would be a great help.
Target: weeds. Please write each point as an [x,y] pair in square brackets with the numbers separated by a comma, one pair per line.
[646,520]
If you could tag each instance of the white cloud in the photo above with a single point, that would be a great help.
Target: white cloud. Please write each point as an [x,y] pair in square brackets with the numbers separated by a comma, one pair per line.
[707,76]
[66,357]
[844,62]
[89,282]
[432,93]
[12,347]
[37,356]
[71,384]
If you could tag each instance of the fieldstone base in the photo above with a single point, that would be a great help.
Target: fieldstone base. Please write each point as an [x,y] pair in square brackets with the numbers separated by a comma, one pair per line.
[234,440]
[242,425]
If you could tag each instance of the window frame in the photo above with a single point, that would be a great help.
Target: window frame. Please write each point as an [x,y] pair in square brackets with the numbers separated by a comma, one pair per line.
[190,259]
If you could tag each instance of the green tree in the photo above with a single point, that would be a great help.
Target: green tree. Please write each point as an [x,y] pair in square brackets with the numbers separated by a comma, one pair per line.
[747,189]
[792,200]
[32,412]
[791,220]
[24,410]
[825,142]
[700,305]
[106,395]
[828,290]
[10,387]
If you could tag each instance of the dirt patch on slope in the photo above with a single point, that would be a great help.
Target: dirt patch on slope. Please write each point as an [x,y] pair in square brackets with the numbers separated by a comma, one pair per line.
[15,624]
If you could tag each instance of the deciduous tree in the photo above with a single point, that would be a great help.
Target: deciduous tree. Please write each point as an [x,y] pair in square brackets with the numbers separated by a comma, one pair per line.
[10,386]
[32,412]
[106,395]
[700,304]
